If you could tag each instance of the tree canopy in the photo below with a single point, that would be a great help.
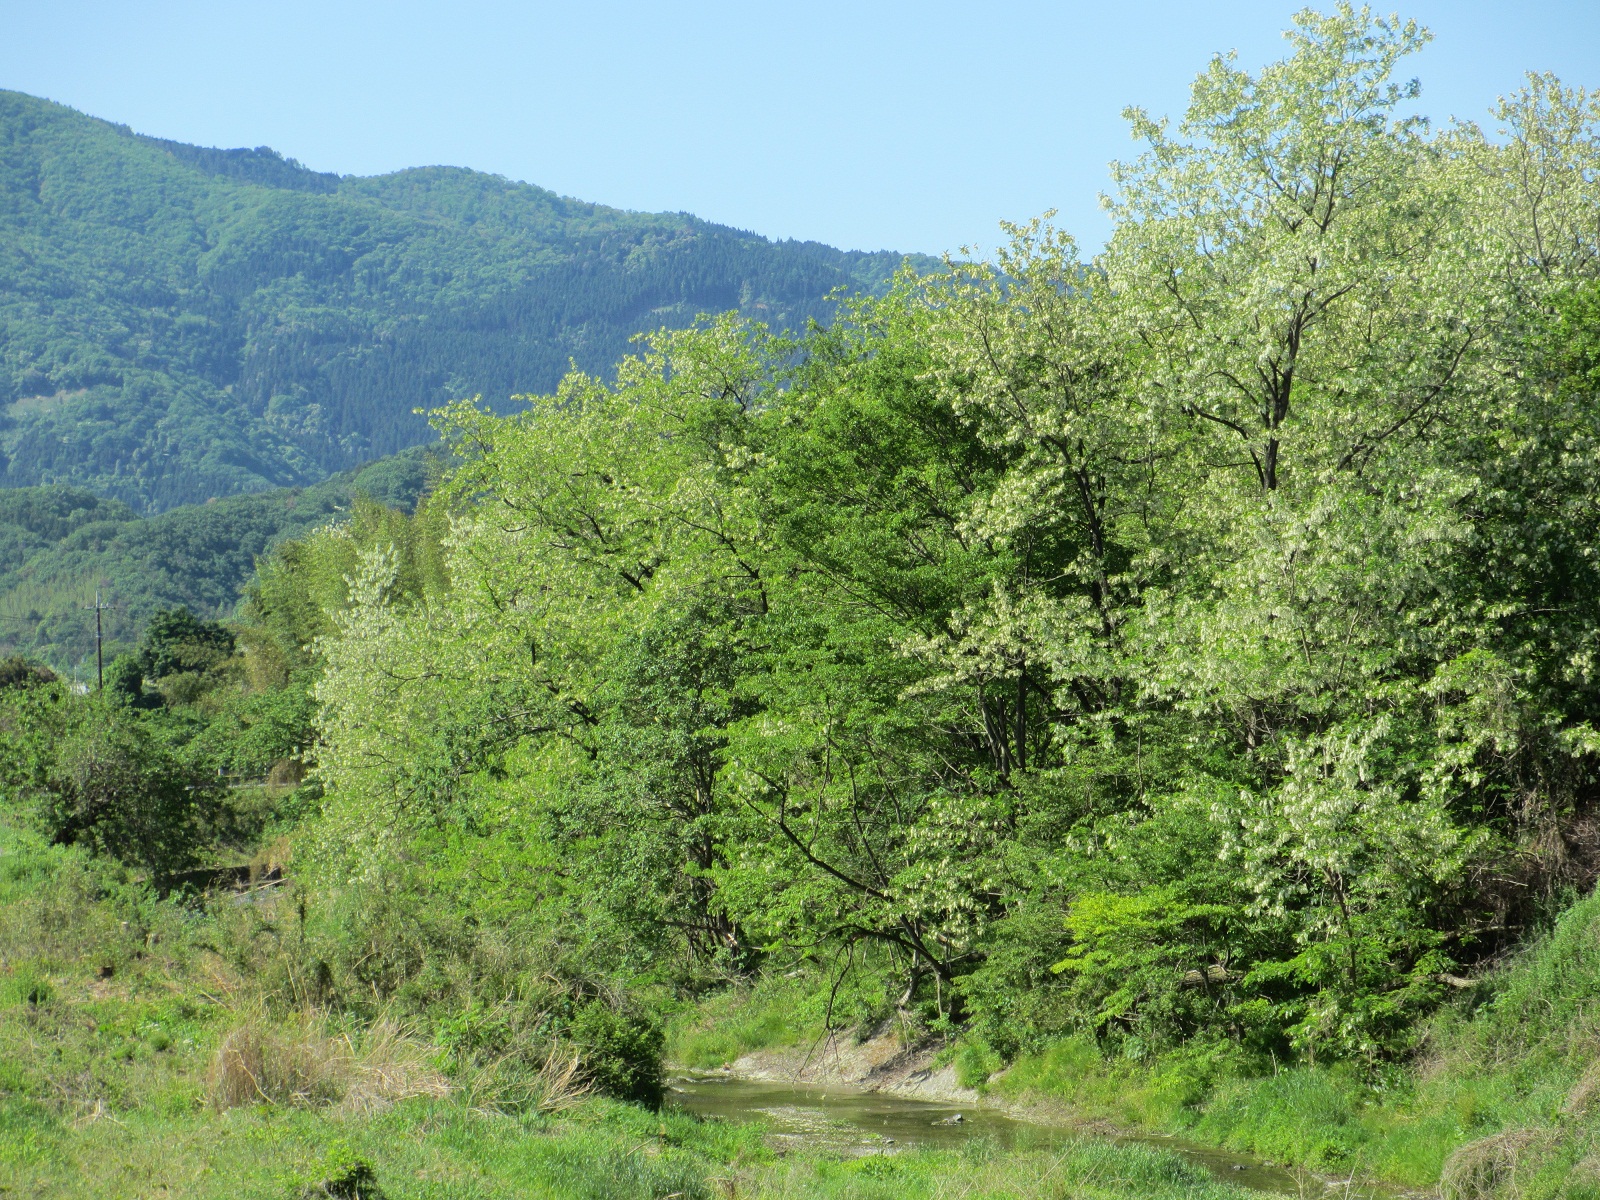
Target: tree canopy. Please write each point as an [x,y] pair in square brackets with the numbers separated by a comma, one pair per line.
[1193,640]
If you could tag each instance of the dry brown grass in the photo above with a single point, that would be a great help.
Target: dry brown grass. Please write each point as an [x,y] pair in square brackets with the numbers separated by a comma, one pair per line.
[557,1084]
[259,1065]
[1584,1092]
[563,1080]
[264,1063]
[390,1066]
[1489,1167]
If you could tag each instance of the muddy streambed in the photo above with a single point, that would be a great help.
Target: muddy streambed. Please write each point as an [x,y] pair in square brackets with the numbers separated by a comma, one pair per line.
[848,1121]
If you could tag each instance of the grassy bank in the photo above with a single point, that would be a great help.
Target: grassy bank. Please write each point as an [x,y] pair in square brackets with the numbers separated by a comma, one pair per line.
[138,1057]
[1503,1099]
[412,1149]
[610,1151]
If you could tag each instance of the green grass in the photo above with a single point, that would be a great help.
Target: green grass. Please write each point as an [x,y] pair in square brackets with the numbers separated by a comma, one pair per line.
[1086,1168]
[1074,1071]
[733,1023]
[1303,1116]
[113,1006]
[1330,1121]
[417,1149]
[444,1150]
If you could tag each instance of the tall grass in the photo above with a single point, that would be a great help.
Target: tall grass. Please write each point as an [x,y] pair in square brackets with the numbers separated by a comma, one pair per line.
[733,1023]
[783,1008]
[300,1063]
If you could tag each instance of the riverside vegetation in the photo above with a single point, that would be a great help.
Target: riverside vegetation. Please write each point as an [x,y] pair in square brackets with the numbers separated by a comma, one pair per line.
[1163,682]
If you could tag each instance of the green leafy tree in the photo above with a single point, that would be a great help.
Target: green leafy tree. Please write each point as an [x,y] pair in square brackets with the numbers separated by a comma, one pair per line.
[175,641]
[97,773]
[1192,642]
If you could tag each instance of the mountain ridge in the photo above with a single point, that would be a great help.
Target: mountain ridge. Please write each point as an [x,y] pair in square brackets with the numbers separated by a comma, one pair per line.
[179,323]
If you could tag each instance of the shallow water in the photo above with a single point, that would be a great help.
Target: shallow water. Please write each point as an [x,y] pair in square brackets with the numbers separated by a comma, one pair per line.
[854,1122]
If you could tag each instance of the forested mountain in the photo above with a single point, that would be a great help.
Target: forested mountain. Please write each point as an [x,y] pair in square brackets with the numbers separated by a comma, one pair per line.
[180,323]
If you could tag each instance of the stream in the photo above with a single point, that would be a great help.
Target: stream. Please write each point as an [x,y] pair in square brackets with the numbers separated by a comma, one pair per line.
[855,1122]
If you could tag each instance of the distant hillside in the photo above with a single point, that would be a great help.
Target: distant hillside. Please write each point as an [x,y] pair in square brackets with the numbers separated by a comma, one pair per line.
[57,543]
[180,323]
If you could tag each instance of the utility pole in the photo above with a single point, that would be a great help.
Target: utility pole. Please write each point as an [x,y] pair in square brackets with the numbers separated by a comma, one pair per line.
[99,640]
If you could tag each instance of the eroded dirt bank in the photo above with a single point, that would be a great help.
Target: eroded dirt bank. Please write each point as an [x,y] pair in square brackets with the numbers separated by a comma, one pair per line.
[880,1064]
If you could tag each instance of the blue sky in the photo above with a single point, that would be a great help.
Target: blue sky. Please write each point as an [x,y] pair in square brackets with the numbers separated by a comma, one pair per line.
[906,126]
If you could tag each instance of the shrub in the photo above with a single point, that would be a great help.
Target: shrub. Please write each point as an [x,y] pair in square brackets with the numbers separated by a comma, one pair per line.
[621,1049]
[125,680]
[341,1175]
[117,790]
[98,773]
[19,672]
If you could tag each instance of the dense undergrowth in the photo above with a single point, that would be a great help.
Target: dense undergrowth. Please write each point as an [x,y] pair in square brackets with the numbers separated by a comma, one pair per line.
[123,1018]
[1501,1097]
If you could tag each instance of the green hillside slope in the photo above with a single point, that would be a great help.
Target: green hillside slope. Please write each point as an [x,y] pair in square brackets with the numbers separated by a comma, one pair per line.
[58,543]
[180,323]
